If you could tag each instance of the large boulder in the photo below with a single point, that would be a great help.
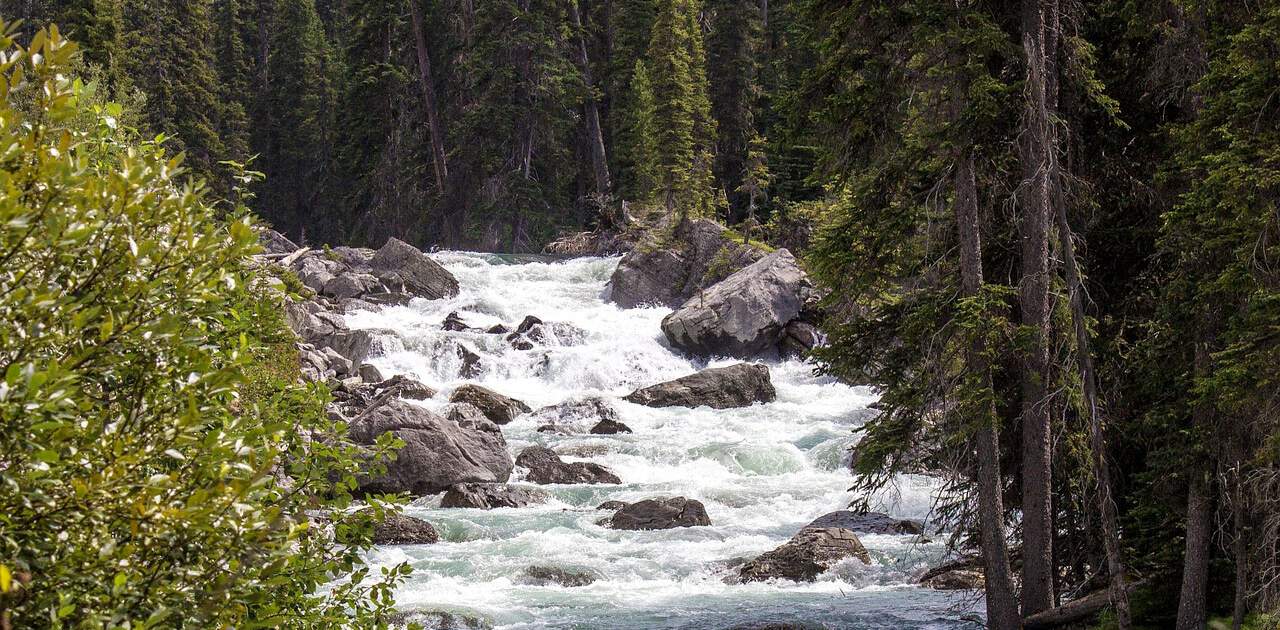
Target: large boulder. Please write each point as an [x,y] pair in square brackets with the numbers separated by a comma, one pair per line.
[737,385]
[745,315]
[673,263]
[498,408]
[399,263]
[806,556]
[868,523]
[486,496]
[660,514]
[393,274]
[399,529]
[547,467]
[362,344]
[438,452]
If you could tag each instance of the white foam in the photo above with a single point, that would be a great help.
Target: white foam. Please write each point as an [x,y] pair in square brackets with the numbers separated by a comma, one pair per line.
[762,472]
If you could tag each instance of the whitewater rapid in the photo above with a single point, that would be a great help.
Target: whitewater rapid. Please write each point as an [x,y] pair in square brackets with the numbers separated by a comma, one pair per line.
[763,472]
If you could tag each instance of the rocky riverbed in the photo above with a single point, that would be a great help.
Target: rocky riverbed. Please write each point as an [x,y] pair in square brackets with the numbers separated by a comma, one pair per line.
[583,463]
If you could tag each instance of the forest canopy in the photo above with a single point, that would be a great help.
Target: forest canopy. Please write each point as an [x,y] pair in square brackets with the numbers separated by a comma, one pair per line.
[1047,231]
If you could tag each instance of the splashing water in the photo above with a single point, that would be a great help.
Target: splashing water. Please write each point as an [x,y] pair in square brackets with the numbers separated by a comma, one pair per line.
[763,472]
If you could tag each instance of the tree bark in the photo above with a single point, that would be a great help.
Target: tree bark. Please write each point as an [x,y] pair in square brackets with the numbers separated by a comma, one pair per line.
[1097,440]
[1002,607]
[439,161]
[1195,565]
[1195,559]
[1039,156]
[595,135]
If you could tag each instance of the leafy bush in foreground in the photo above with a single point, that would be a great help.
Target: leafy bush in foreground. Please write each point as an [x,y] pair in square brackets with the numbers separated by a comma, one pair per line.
[157,458]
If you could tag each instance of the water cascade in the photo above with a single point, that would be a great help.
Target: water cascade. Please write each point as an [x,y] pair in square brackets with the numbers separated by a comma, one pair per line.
[763,472]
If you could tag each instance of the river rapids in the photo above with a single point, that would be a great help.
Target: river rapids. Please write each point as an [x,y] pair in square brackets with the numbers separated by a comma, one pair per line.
[763,472]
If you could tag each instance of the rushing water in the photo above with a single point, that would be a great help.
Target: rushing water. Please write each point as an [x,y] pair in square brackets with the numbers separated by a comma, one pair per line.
[763,472]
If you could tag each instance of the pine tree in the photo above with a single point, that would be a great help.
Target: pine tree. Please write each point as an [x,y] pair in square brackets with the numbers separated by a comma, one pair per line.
[168,53]
[681,109]
[733,49]
[296,130]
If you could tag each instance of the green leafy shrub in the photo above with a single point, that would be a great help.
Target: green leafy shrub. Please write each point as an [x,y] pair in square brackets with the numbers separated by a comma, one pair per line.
[158,458]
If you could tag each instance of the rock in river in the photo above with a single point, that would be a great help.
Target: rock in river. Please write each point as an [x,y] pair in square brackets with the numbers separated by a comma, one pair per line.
[806,556]
[495,406]
[719,388]
[486,496]
[660,514]
[868,523]
[438,452]
[547,467]
[745,315]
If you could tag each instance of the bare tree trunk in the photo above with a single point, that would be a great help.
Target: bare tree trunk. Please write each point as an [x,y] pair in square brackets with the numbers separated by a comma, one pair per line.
[1039,156]
[1195,565]
[1002,607]
[1097,440]
[1239,547]
[429,98]
[1195,560]
[595,135]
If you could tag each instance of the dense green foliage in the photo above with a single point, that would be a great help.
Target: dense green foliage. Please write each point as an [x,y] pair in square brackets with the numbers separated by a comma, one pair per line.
[158,460]
[942,165]
[329,95]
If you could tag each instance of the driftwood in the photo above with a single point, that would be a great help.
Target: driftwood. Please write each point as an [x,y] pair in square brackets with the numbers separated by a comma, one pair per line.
[1075,610]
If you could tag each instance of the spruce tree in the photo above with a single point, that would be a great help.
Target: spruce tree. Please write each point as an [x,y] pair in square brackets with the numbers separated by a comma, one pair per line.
[681,110]
[168,52]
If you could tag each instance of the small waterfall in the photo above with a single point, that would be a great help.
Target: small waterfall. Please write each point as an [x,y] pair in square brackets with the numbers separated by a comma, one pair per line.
[763,472]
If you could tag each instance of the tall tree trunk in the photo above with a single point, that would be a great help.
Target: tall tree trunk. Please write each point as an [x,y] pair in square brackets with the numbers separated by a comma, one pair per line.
[1097,441]
[595,136]
[1195,565]
[1239,547]
[1039,156]
[429,98]
[1195,559]
[1002,607]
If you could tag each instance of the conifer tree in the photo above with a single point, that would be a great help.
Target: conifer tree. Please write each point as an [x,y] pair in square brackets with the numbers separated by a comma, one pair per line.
[681,109]
[168,53]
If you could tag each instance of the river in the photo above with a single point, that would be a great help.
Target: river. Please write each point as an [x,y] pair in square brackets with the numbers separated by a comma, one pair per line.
[763,472]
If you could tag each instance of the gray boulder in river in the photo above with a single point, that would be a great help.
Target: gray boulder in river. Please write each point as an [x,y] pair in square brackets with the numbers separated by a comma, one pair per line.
[868,523]
[673,262]
[547,467]
[737,385]
[806,556]
[496,407]
[395,273]
[745,315]
[486,496]
[660,514]
[438,452]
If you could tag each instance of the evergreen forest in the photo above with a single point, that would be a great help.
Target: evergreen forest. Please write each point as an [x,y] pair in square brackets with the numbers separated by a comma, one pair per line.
[1046,232]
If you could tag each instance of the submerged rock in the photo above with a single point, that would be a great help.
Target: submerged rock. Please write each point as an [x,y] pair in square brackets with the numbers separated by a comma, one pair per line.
[610,427]
[574,416]
[745,315]
[498,408]
[719,388]
[486,496]
[568,578]
[547,467]
[806,556]
[660,514]
[868,523]
[438,620]
[612,506]
[438,452]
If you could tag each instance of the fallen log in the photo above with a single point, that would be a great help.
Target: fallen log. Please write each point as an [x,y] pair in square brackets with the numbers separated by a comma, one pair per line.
[1075,610]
